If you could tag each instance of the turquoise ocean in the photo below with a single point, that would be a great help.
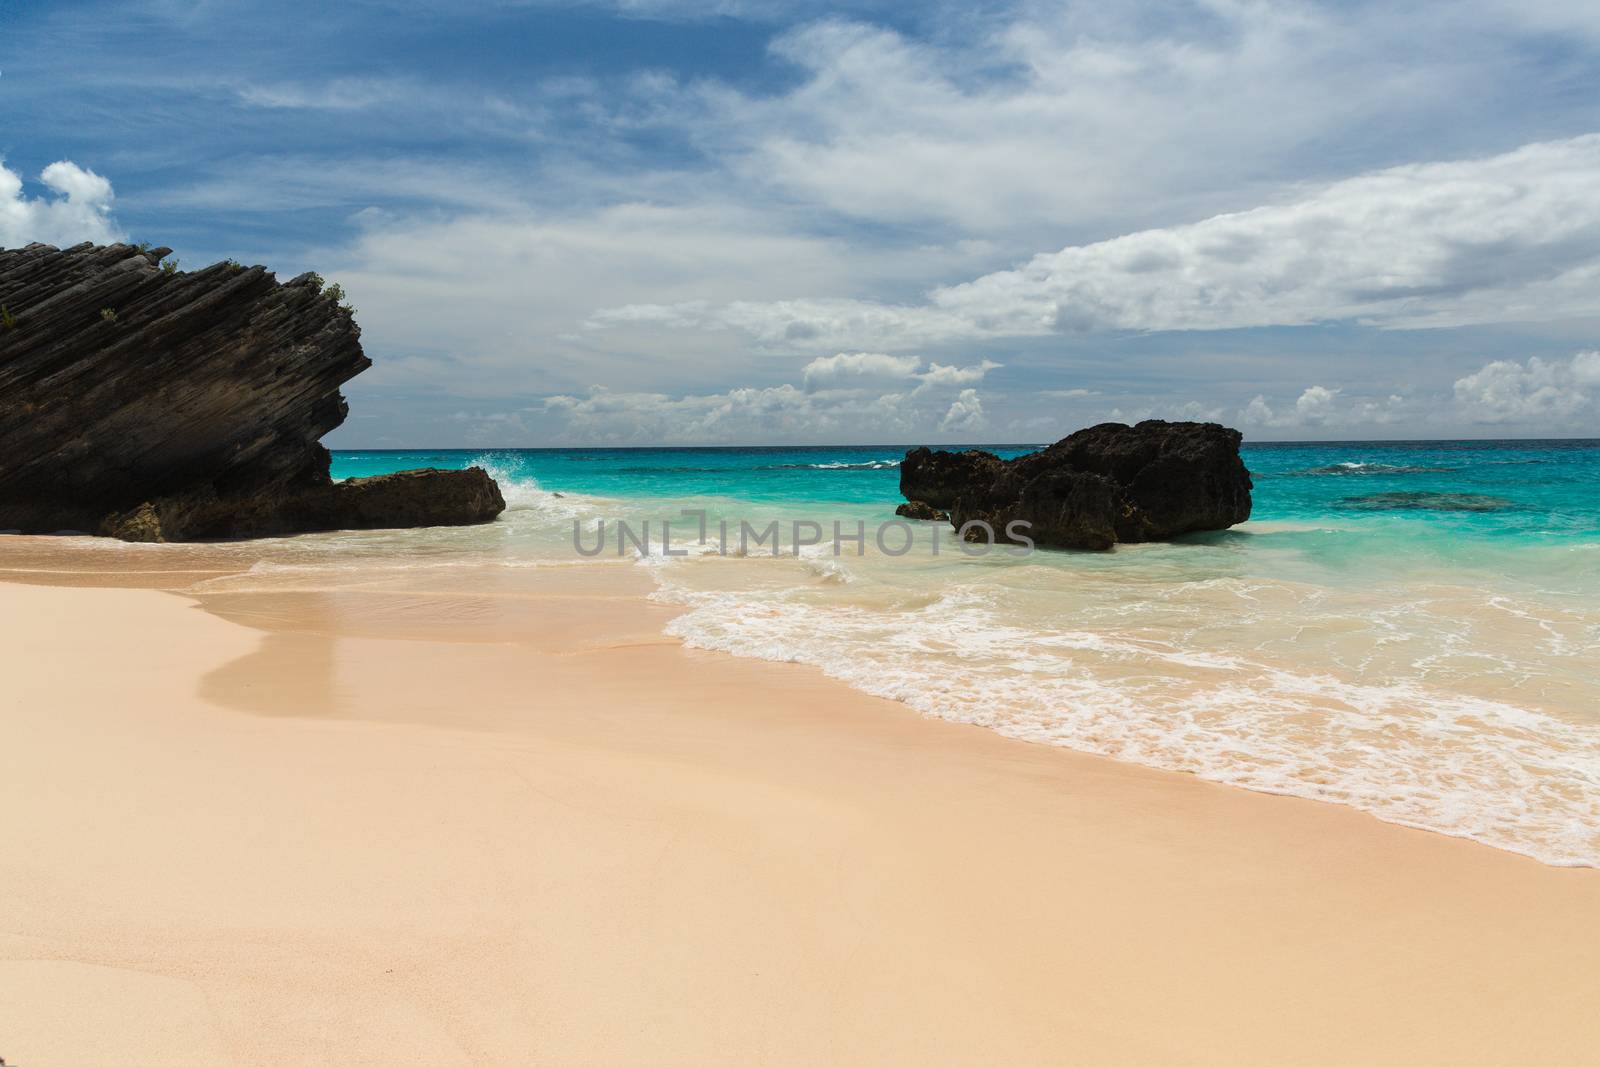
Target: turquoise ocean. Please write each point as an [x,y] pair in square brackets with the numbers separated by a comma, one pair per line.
[1411,629]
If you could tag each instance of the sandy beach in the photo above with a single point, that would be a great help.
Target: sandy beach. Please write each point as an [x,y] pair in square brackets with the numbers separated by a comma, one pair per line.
[650,532]
[258,834]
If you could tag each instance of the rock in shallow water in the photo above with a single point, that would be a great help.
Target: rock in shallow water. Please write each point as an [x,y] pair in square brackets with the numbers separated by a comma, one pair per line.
[426,497]
[1104,485]
[155,404]
[916,509]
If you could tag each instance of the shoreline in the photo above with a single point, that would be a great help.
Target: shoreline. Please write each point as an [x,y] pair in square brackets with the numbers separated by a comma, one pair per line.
[299,841]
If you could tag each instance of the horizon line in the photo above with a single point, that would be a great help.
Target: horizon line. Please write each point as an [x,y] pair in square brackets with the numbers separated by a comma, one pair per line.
[954,444]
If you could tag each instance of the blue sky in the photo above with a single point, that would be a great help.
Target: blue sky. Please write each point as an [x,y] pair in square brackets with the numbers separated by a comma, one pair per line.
[654,221]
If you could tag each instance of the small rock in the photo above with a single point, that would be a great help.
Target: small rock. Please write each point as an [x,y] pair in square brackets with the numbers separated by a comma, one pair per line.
[142,524]
[916,509]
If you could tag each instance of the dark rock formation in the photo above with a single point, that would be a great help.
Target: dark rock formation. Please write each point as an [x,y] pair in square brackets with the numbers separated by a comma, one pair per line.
[916,509]
[1107,484]
[426,497]
[150,403]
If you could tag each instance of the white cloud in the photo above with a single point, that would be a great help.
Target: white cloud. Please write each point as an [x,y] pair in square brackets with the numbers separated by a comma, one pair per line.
[618,417]
[1075,118]
[965,414]
[938,374]
[801,323]
[1318,406]
[491,301]
[1189,411]
[824,203]
[771,414]
[848,368]
[1070,113]
[1539,396]
[852,367]
[79,210]
[850,396]
[1315,404]
[1259,413]
[1507,238]
[1536,391]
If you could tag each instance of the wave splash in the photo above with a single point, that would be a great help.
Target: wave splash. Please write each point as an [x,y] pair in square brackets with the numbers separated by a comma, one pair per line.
[524,495]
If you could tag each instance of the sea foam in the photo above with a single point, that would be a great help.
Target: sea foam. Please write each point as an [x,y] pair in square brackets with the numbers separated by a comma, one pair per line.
[1297,717]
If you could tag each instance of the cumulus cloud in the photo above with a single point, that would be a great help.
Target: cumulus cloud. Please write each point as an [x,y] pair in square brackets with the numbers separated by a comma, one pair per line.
[965,414]
[1177,160]
[490,302]
[1506,238]
[1189,411]
[1315,404]
[770,414]
[850,395]
[1313,407]
[1535,392]
[78,209]
[1319,407]
[823,201]
[938,374]
[1259,413]
[1540,396]
[853,367]
[626,417]
[847,369]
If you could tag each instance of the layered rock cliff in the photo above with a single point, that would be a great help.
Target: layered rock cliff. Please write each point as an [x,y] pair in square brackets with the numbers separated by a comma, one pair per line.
[1107,484]
[151,403]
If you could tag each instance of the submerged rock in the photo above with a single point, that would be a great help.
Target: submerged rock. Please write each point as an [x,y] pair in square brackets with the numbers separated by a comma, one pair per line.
[1370,469]
[1104,485]
[1421,501]
[150,404]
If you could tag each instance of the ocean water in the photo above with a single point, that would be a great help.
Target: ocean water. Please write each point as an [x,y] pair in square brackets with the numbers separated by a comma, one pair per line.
[1410,629]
